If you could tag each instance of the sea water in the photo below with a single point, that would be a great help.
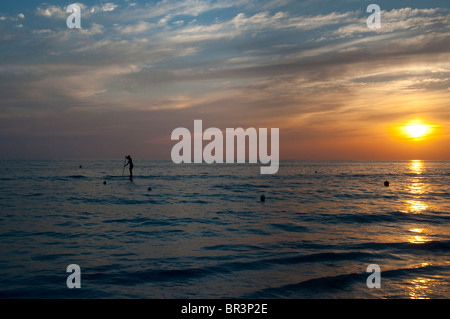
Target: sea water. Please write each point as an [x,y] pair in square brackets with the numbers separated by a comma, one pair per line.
[201,231]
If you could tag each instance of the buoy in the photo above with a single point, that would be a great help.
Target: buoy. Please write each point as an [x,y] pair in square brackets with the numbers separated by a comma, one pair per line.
[81,166]
[104,182]
[316,172]
[263,198]
[149,189]
[386,183]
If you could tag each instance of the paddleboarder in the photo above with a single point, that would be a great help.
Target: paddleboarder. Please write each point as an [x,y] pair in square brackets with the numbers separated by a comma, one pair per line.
[130,162]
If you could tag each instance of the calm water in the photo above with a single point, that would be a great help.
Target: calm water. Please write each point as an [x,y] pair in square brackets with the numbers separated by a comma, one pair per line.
[202,232]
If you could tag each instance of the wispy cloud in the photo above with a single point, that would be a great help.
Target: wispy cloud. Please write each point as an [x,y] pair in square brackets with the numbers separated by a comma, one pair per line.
[51,11]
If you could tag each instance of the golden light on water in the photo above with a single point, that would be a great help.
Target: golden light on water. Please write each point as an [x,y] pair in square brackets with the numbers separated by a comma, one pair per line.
[415,206]
[418,240]
[419,287]
[419,237]
[416,188]
[423,287]
[416,166]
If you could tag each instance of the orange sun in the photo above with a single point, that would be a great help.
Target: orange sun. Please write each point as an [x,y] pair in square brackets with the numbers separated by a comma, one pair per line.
[416,130]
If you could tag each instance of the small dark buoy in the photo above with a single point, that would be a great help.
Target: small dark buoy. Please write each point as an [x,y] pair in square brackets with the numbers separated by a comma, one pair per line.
[316,172]
[104,182]
[81,166]
[149,189]
[263,198]
[386,183]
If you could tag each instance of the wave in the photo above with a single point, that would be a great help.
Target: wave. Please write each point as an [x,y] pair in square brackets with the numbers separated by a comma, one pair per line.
[324,286]
[76,176]
[238,248]
[289,227]
[431,246]
[113,200]
[392,217]
[132,277]
[139,221]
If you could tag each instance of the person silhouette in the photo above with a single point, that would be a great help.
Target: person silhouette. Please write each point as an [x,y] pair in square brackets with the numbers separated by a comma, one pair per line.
[130,162]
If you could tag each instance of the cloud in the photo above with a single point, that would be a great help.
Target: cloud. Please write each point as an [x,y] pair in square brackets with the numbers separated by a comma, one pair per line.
[162,10]
[308,65]
[243,25]
[95,29]
[136,28]
[397,20]
[51,11]
[178,23]
[109,6]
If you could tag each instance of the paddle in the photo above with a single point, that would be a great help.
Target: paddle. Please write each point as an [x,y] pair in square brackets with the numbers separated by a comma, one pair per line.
[123,170]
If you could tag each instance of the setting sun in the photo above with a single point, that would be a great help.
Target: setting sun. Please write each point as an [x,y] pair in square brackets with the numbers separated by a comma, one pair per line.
[417,130]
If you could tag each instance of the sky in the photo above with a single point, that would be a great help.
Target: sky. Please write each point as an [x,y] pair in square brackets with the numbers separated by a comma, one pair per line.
[137,70]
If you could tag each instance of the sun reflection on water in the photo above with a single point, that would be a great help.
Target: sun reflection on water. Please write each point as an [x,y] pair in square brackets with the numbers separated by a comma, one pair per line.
[419,237]
[416,188]
[423,287]
[415,206]
[416,166]
[419,288]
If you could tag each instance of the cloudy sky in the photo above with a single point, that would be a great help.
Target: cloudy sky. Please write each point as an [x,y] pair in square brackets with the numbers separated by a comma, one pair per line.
[136,70]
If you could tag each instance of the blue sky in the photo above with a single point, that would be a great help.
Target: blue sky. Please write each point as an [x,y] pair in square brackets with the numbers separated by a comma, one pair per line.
[136,70]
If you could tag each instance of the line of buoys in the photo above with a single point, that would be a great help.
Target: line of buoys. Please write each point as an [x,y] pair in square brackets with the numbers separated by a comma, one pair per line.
[149,188]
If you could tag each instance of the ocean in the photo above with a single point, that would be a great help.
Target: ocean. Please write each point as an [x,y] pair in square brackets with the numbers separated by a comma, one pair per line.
[201,231]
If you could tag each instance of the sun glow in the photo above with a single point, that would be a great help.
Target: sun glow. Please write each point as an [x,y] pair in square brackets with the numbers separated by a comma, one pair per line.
[416,130]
